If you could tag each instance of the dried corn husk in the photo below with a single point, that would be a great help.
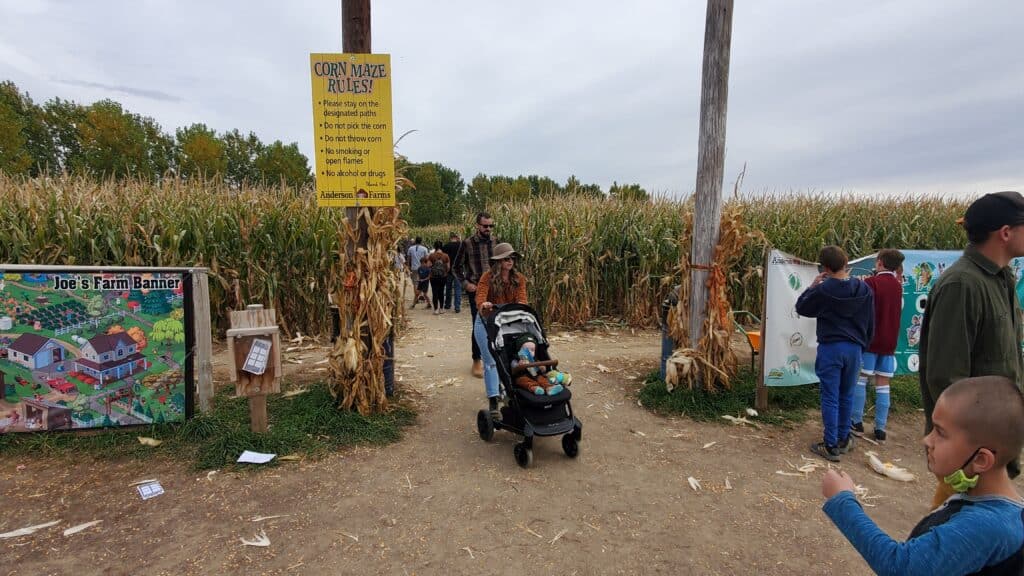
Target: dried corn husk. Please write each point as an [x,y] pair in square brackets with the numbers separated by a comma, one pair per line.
[367,291]
[889,469]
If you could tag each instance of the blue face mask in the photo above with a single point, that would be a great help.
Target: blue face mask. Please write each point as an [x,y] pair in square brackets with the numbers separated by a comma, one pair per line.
[961,482]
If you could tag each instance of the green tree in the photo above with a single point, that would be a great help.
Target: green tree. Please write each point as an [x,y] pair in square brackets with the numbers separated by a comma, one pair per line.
[169,330]
[628,192]
[199,152]
[453,188]
[543,186]
[116,143]
[241,153]
[25,142]
[14,158]
[574,186]
[95,306]
[278,163]
[63,118]
[155,303]
[508,189]
[477,193]
[426,202]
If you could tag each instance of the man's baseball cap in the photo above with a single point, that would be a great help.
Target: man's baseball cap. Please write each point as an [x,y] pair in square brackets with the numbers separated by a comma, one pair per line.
[993,211]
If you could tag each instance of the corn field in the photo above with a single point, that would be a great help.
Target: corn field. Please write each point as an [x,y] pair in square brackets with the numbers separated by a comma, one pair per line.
[586,258]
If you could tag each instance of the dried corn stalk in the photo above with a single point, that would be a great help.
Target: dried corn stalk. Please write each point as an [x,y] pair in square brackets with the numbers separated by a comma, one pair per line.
[713,363]
[367,290]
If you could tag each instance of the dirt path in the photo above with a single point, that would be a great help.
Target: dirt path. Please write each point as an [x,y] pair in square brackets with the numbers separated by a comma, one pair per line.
[444,502]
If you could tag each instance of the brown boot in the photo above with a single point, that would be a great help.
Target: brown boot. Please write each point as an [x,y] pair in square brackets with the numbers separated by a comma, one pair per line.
[478,368]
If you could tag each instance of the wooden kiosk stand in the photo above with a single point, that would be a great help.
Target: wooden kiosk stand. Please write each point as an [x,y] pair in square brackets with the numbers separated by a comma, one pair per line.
[254,342]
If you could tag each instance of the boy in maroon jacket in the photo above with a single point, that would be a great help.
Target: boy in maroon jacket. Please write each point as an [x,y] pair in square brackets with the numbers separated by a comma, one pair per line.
[879,360]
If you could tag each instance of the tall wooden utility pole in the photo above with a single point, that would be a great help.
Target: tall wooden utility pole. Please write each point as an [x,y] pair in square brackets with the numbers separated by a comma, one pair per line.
[355,38]
[707,212]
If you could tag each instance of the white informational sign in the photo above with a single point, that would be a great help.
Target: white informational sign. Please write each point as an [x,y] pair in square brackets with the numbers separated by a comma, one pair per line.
[150,490]
[259,353]
[250,457]
[788,344]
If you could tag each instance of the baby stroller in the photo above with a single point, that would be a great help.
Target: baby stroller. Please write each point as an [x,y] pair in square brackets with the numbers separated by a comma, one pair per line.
[524,413]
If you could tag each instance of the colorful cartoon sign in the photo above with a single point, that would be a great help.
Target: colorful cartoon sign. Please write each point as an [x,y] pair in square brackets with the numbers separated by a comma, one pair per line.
[789,340]
[88,349]
[921,269]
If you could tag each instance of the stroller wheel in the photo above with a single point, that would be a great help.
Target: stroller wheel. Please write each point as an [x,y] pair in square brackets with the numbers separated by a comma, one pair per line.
[484,425]
[570,446]
[524,455]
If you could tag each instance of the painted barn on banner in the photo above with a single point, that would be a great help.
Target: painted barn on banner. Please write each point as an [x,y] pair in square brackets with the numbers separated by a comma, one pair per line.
[36,352]
[111,357]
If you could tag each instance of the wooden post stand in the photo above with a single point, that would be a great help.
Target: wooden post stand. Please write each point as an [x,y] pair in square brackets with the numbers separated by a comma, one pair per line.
[254,342]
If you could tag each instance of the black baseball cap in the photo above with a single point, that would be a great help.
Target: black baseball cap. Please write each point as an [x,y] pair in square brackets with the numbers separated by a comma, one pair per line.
[993,211]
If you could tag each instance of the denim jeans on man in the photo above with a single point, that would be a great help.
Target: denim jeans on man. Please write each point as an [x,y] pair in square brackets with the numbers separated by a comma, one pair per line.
[453,292]
[837,366]
[490,367]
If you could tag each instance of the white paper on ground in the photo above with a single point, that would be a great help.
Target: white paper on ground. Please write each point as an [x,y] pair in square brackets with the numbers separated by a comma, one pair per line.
[251,457]
[151,490]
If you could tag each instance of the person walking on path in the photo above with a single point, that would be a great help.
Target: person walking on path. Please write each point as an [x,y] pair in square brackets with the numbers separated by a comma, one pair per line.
[845,313]
[453,288]
[878,362]
[972,321]
[440,267]
[473,261]
[416,253]
[502,284]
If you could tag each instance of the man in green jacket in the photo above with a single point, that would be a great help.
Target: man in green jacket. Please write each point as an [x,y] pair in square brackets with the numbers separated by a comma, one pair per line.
[972,321]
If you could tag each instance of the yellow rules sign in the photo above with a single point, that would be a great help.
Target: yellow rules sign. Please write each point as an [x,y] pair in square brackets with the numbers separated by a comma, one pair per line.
[355,163]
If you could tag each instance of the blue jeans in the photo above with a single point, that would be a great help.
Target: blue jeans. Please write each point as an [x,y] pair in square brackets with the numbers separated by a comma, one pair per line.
[837,366]
[453,292]
[490,367]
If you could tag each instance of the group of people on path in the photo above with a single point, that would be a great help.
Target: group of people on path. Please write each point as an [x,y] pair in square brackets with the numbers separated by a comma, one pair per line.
[485,270]
[970,377]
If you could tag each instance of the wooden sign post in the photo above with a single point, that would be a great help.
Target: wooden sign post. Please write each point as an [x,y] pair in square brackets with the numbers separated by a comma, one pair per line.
[254,342]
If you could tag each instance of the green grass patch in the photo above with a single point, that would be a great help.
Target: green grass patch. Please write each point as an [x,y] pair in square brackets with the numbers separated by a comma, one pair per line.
[786,405]
[307,424]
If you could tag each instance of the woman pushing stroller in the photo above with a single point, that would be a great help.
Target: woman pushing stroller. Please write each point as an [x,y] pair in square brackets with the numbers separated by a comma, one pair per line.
[502,284]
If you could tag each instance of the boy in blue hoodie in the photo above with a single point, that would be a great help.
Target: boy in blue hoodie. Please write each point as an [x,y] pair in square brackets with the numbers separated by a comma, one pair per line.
[845,310]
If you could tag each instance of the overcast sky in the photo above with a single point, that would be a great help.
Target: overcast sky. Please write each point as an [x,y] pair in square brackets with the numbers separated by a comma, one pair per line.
[874,96]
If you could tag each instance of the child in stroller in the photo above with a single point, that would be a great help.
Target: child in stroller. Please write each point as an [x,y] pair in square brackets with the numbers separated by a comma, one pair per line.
[525,412]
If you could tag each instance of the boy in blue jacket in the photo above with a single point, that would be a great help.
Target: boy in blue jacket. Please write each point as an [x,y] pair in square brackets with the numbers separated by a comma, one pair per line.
[978,427]
[845,310]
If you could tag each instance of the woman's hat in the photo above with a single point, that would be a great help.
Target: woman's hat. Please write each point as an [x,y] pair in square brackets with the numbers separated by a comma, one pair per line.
[502,251]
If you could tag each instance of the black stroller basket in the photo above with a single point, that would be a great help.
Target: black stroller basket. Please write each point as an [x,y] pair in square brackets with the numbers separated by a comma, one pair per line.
[524,413]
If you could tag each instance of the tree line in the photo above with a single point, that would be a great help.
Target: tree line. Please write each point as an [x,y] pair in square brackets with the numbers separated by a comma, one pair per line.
[440,196]
[104,140]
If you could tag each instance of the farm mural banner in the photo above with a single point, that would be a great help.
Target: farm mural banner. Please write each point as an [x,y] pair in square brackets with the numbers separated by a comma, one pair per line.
[94,348]
[789,340]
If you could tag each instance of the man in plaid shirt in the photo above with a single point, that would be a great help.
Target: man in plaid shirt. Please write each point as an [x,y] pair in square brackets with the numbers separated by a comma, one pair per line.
[472,262]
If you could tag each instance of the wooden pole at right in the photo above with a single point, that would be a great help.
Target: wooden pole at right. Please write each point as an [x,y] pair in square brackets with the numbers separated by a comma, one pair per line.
[710,159]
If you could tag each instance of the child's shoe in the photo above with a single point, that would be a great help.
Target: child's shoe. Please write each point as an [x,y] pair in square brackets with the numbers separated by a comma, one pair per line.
[880,436]
[857,429]
[830,453]
[555,389]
